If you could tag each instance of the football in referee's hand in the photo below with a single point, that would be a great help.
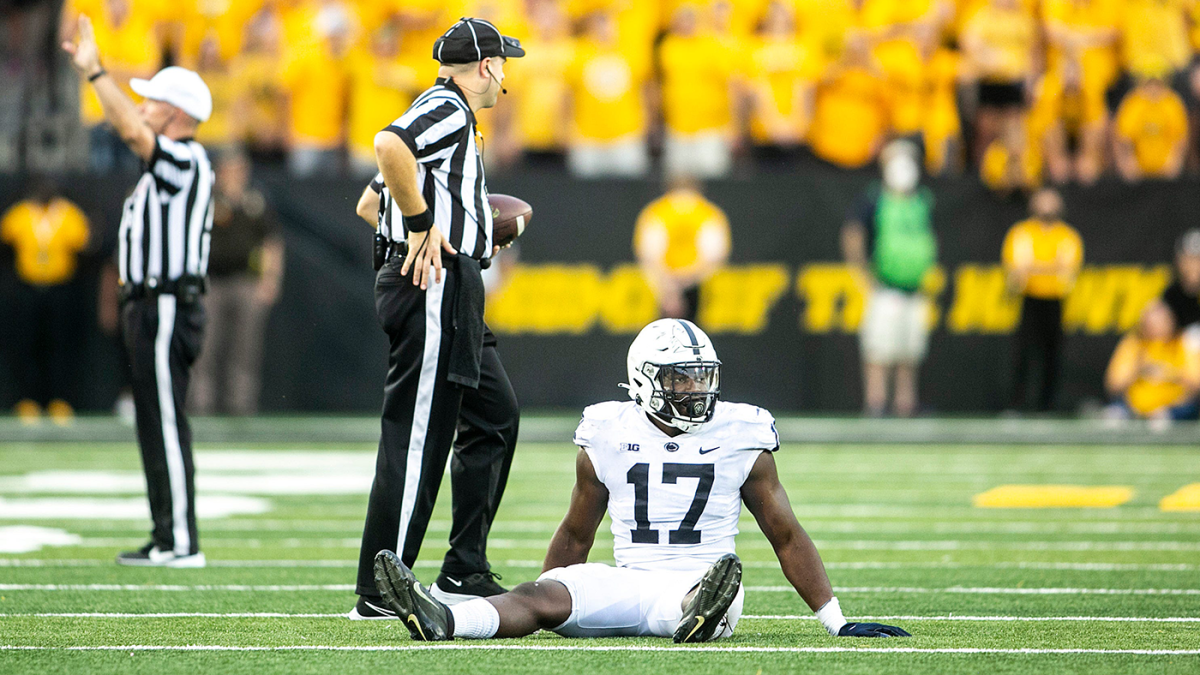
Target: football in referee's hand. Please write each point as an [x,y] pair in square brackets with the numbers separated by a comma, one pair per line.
[510,217]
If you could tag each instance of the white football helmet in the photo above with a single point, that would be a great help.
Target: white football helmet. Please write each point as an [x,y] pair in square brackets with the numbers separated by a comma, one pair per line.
[674,373]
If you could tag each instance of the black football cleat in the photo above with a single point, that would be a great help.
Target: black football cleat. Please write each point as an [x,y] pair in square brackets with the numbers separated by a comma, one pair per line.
[427,619]
[705,614]
[451,590]
[370,609]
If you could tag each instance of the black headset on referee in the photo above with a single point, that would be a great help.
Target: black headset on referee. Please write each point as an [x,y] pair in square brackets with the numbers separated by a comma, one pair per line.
[445,386]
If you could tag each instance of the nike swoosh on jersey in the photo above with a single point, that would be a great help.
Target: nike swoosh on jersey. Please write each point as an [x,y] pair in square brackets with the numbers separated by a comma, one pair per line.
[705,452]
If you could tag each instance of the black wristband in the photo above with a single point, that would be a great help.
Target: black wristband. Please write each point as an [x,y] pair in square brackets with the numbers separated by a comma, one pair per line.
[421,222]
[97,75]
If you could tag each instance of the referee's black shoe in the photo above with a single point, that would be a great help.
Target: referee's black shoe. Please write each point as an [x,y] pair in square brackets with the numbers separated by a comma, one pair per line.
[451,589]
[368,608]
[704,615]
[427,619]
[152,556]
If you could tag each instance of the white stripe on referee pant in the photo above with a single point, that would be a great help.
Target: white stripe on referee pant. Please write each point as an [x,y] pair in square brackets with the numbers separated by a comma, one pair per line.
[424,405]
[170,430]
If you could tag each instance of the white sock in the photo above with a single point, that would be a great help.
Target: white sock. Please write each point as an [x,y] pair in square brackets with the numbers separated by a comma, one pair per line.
[475,619]
[830,616]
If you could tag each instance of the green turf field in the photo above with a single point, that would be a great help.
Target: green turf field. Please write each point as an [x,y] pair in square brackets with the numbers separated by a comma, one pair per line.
[1009,590]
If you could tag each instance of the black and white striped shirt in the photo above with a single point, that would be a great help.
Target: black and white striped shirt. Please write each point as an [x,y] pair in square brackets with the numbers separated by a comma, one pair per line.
[166,224]
[439,129]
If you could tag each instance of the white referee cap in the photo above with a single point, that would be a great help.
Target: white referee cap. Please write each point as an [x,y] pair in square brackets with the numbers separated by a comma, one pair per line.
[181,88]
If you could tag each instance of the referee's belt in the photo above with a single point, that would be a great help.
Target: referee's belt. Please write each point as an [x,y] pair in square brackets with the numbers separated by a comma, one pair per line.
[187,289]
[386,251]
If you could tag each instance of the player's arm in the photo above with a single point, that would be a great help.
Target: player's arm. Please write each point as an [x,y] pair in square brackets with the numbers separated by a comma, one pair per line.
[120,112]
[768,502]
[573,540]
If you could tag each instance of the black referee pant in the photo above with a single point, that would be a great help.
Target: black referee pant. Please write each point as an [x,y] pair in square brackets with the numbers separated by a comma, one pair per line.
[1039,338]
[422,413]
[162,339]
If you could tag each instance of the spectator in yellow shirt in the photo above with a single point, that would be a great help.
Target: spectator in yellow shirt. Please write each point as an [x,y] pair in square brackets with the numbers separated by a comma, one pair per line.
[1064,116]
[261,101]
[46,233]
[1152,132]
[608,101]
[698,97]
[223,128]
[381,89]
[904,35]
[317,81]
[1153,33]
[850,116]
[942,127]
[1153,373]
[1085,33]
[541,127]
[999,44]
[782,84]
[1042,256]
[681,239]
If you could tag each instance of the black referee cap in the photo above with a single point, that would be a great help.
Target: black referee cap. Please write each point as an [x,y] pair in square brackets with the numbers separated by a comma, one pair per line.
[472,40]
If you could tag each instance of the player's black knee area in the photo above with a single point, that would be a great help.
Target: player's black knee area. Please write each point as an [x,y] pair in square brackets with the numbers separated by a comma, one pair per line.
[549,601]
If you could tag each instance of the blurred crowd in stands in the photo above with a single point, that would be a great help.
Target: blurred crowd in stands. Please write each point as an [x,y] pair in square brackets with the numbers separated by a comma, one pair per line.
[1024,92]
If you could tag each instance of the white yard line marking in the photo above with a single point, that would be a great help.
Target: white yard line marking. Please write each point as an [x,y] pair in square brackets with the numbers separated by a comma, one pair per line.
[343,588]
[763,617]
[753,564]
[275,588]
[953,617]
[991,590]
[754,544]
[598,648]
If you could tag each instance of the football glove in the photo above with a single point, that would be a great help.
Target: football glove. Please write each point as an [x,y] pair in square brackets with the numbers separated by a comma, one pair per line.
[871,630]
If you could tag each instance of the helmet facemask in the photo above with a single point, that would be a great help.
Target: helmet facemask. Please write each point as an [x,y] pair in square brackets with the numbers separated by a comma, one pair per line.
[684,394]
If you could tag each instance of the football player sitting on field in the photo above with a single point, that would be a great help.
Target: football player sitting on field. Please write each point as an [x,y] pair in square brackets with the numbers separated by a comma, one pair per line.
[673,467]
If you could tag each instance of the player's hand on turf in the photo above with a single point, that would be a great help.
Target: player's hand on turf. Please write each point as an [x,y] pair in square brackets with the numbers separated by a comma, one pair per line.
[425,250]
[85,55]
[871,630]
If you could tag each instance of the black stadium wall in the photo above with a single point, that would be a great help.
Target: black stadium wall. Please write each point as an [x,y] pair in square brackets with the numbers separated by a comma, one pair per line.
[783,315]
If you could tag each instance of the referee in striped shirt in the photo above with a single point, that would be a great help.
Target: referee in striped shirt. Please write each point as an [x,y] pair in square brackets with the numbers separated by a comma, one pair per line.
[164,243]
[445,385]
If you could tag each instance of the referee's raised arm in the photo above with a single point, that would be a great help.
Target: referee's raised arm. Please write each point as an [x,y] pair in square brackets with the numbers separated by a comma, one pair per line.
[119,111]
[399,168]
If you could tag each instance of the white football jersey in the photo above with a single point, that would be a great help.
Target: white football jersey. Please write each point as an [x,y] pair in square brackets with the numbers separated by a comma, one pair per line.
[674,501]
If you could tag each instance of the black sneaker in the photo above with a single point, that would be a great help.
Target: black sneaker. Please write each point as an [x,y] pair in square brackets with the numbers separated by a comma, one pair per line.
[427,619]
[369,609]
[451,590]
[715,593]
[152,556]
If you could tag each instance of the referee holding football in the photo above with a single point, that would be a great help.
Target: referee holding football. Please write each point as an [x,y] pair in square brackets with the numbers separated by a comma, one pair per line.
[445,384]
[164,242]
